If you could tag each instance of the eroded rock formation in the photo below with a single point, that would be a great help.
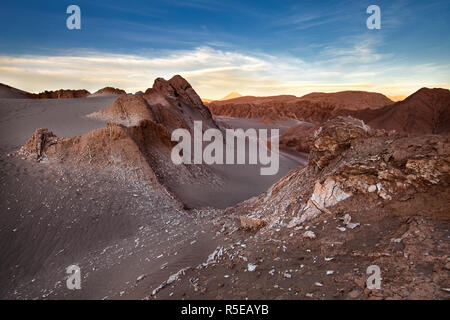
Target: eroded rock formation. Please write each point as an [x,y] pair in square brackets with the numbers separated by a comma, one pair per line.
[347,159]
[136,143]
[172,103]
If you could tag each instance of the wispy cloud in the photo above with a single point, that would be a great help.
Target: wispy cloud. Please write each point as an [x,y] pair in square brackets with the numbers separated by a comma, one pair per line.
[214,73]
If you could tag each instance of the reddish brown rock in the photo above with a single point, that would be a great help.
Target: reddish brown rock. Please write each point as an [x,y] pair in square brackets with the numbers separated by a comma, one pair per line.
[173,104]
[136,144]
[427,111]
[252,223]
[298,138]
[349,159]
[315,107]
[62,94]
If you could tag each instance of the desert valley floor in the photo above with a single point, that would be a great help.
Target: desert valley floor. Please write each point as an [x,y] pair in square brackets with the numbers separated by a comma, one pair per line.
[153,232]
[124,230]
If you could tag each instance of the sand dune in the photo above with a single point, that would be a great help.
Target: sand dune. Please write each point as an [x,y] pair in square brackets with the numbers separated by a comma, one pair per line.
[19,118]
[7,92]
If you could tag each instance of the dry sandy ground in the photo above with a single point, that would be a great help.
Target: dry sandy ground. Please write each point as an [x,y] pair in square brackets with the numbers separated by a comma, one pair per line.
[19,118]
[53,216]
[241,182]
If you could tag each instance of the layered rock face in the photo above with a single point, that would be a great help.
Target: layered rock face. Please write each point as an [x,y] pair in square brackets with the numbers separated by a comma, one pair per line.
[298,138]
[173,104]
[184,102]
[349,159]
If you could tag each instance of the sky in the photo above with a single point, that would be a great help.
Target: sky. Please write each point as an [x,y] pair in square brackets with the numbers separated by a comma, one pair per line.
[252,47]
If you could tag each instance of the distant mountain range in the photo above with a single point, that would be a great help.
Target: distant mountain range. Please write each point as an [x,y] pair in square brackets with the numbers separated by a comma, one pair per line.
[425,111]
[8,92]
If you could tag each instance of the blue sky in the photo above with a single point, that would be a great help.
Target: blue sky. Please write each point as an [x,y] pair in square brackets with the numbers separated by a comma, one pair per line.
[254,47]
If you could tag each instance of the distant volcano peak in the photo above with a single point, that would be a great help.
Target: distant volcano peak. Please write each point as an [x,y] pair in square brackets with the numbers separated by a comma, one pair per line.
[231,95]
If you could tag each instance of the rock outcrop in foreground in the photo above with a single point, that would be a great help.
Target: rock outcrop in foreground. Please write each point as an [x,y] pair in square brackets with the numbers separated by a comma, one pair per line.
[366,198]
[348,159]
[299,138]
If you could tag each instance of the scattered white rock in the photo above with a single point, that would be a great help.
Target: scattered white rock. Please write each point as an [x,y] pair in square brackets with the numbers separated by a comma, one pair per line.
[215,255]
[251,267]
[309,235]
[347,219]
[294,222]
[141,277]
[352,225]
[172,278]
